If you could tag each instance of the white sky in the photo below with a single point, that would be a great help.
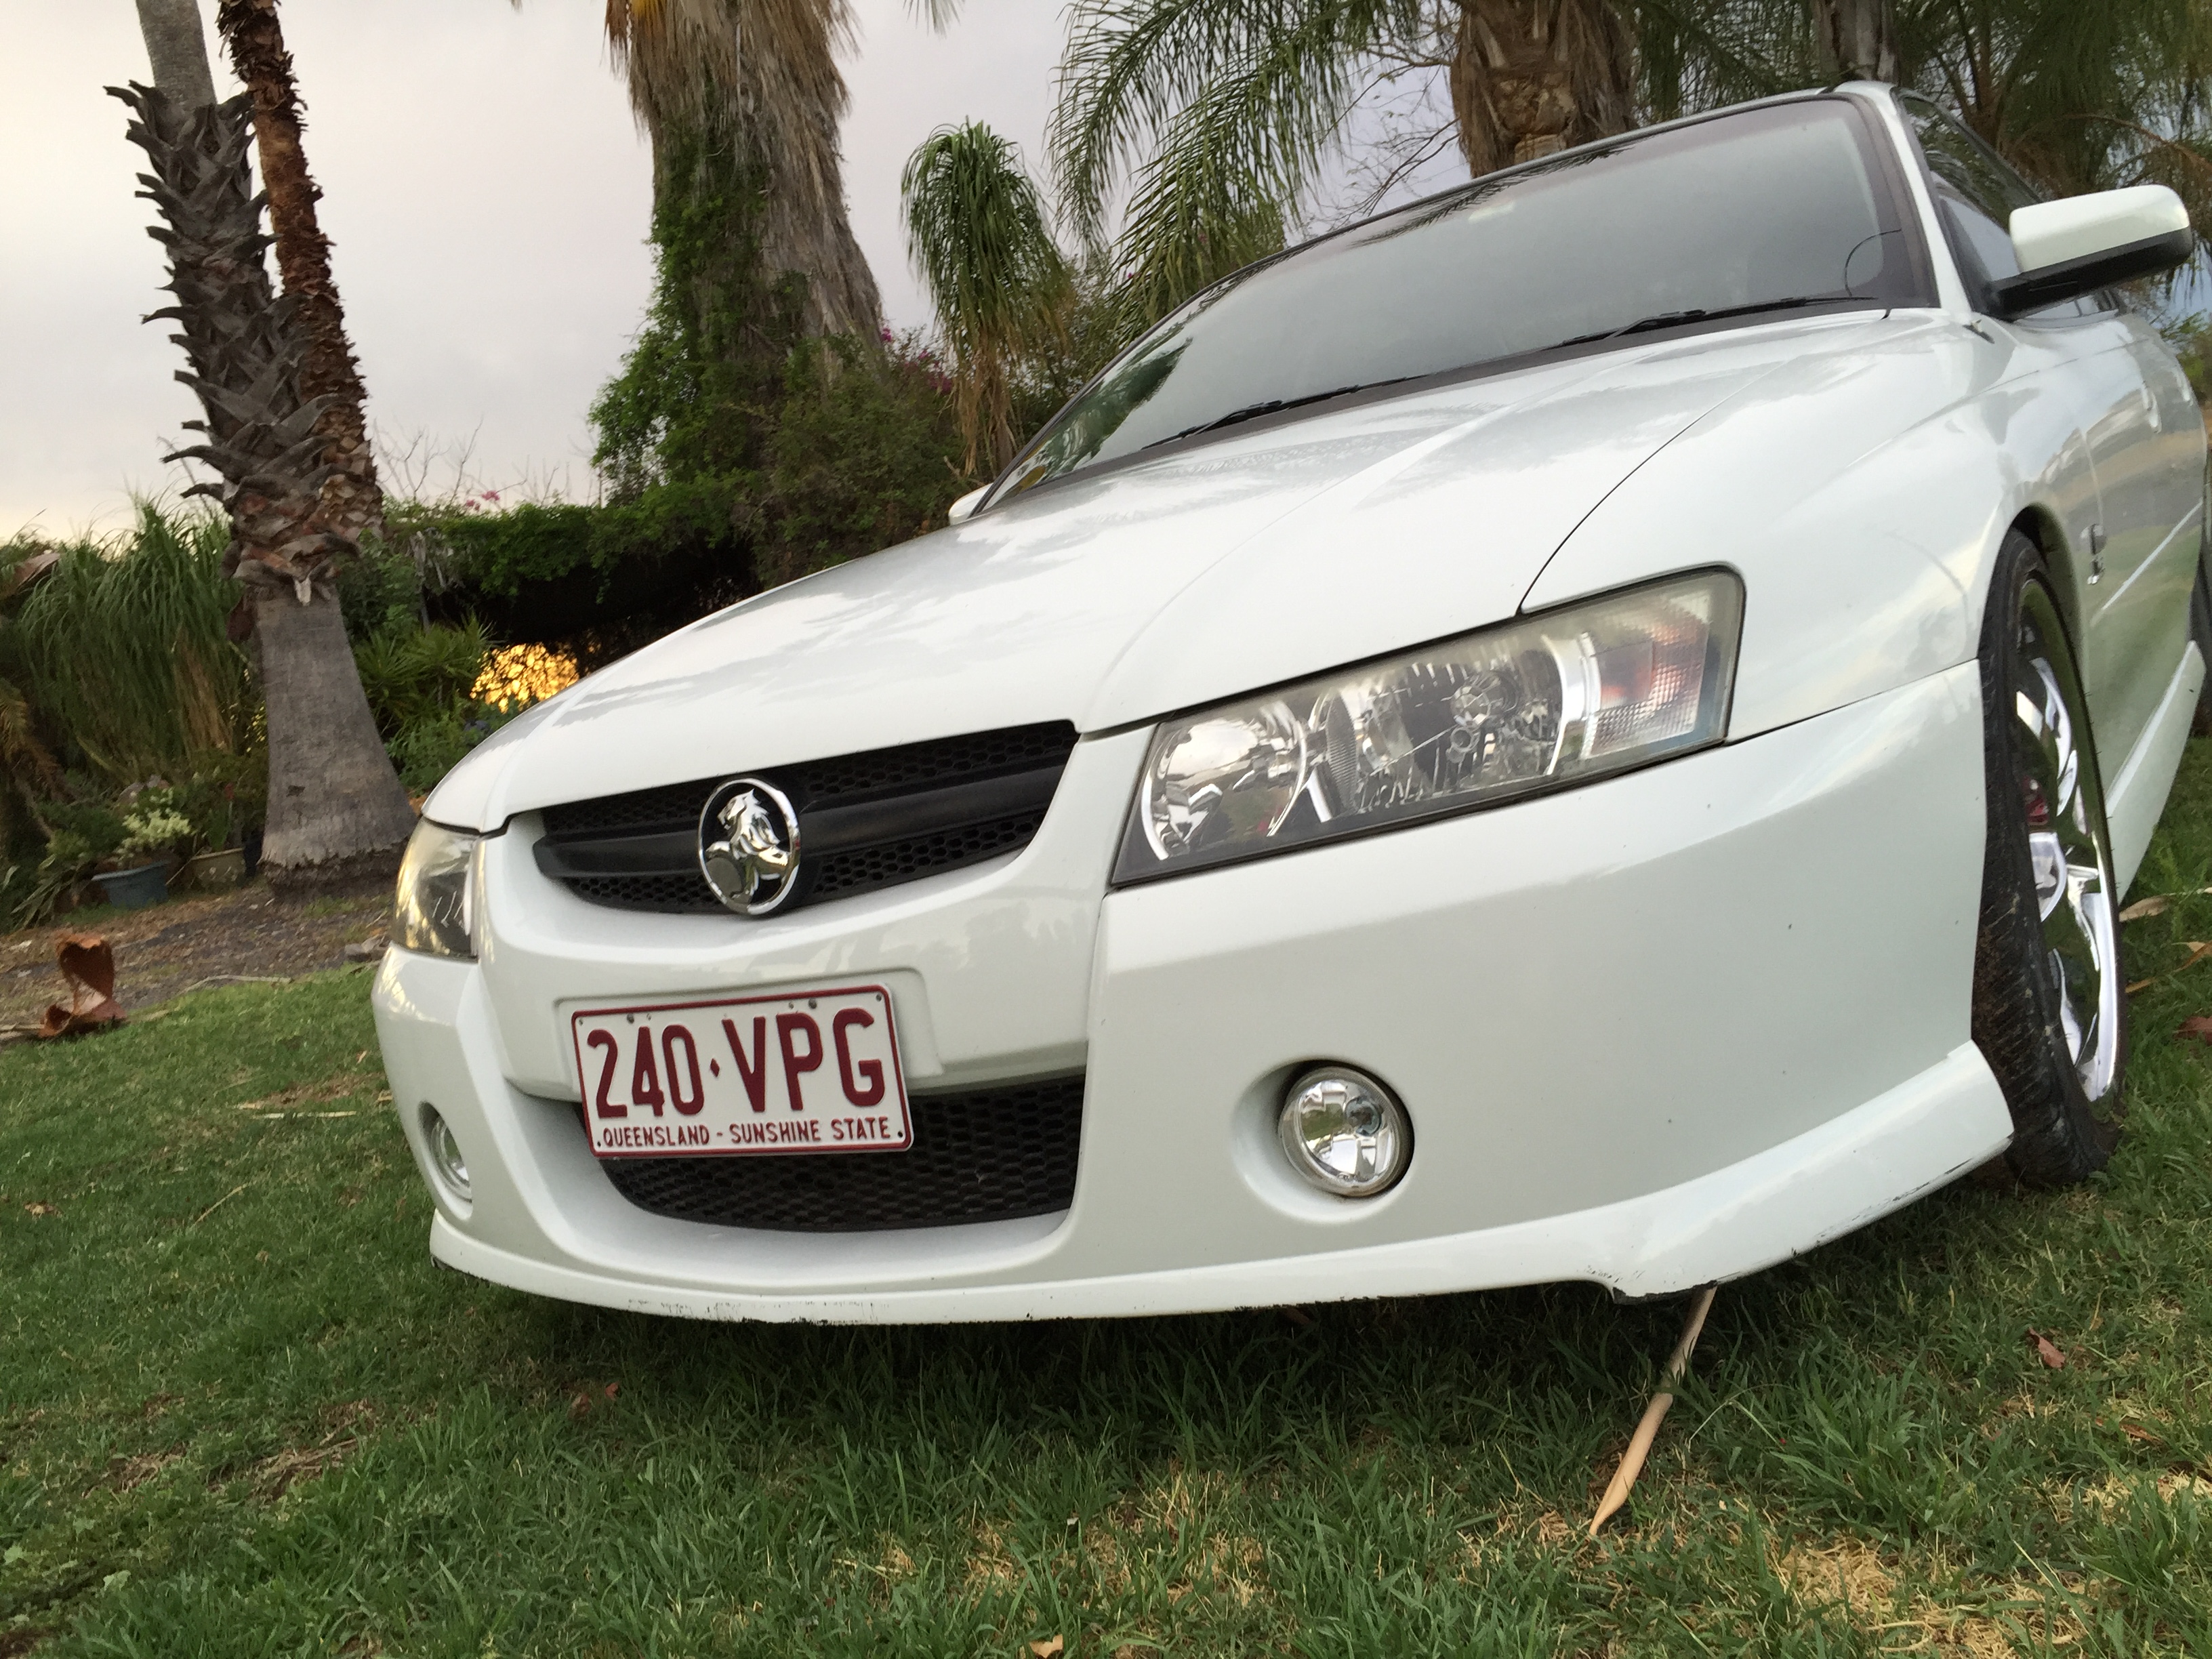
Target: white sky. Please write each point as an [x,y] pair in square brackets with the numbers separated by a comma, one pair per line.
[487,197]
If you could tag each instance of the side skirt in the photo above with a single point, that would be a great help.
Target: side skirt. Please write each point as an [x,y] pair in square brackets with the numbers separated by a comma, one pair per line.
[2134,800]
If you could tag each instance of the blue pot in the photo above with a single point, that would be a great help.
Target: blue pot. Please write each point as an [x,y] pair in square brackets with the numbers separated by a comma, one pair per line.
[134,890]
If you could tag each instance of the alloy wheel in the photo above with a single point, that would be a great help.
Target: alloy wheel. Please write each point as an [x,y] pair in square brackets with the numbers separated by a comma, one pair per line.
[2067,843]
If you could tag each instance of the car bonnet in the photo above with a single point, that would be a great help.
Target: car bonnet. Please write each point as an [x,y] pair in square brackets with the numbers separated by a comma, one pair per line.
[1108,599]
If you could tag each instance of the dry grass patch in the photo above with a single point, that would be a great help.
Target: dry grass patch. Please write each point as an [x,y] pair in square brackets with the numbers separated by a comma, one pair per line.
[1849,1575]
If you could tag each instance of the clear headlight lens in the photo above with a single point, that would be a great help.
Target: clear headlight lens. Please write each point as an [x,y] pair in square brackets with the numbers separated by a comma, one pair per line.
[1537,703]
[435,911]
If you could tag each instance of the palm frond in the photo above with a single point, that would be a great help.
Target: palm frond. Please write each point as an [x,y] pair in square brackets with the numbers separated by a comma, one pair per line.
[978,233]
[1276,76]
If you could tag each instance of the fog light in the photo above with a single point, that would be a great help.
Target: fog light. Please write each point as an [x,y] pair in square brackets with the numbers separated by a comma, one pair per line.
[1345,1132]
[446,1152]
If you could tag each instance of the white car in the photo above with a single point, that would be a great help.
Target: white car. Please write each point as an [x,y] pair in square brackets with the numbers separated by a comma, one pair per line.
[1591,727]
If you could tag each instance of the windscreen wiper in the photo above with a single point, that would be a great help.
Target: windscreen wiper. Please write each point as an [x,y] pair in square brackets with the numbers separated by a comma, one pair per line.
[1669,318]
[1253,412]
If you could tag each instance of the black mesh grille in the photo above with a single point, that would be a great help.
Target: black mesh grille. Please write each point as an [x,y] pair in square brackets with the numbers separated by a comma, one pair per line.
[816,785]
[668,895]
[985,1155]
[672,804]
[933,765]
[904,860]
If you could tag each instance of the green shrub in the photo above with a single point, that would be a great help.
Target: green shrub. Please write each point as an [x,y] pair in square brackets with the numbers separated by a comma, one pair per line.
[861,457]
[415,674]
[125,650]
[426,749]
[91,830]
[418,681]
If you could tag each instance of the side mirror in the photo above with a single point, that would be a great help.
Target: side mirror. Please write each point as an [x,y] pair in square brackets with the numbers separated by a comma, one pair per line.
[2084,243]
[964,509]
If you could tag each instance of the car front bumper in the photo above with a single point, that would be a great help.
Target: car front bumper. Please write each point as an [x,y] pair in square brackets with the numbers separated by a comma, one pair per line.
[1658,1032]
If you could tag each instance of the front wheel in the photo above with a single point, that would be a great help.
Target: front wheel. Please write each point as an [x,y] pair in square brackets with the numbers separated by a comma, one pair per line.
[2048,995]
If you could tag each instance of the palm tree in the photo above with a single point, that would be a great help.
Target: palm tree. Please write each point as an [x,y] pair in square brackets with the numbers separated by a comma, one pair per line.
[976,230]
[177,50]
[352,503]
[1221,113]
[336,811]
[2083,97]
[1228,108]
[1857,39]
[750,90]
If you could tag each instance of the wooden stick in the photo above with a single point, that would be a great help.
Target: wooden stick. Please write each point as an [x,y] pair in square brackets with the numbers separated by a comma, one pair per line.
[1639,1444]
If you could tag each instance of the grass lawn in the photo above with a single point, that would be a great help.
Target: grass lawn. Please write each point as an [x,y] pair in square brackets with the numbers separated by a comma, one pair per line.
[242,1414]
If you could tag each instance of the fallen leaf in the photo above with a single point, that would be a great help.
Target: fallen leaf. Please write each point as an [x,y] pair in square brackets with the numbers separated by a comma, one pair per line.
[87,967]
[42,1209]
[579,1406]
[1050,1650]
[2198,950]
[2047,1350]
[2196,1025]
[613,1389]
[2156,904]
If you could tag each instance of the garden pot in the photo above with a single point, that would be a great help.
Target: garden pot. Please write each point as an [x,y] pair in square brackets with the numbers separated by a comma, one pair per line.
[214,872]
[134,890]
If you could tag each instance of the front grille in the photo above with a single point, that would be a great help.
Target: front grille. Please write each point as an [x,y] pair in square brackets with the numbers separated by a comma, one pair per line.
[985,1155]
[865,821]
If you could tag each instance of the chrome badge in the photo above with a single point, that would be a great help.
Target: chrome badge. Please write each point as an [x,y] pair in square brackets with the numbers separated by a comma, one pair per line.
[749,846]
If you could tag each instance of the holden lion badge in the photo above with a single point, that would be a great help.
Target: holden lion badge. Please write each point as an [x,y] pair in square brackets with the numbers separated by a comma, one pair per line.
[749,846]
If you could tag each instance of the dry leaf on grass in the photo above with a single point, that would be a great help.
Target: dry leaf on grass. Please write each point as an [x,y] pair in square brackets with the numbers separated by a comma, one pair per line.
[2198,1026]
[2198,950]
[2157,903]
[2135,1432]
[87,967]
[584,1402]
[2047,1350]
[1050,1649]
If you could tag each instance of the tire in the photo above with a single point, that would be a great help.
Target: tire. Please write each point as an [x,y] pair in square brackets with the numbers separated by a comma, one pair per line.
[2048,1011]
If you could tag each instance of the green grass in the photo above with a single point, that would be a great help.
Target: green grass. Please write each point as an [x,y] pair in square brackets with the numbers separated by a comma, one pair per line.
[242,1414]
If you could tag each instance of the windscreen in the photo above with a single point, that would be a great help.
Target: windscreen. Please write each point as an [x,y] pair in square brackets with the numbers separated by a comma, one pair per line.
[1756,214]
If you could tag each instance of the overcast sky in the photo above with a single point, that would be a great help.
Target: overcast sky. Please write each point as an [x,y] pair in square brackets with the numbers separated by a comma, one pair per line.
[487,194]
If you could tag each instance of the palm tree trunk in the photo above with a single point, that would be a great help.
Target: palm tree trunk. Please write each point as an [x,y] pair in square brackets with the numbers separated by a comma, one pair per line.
[351,501]
[177,46]
[1532,77]
[788,67]
[1857,39]
[756,82]
[336,810]
[338,815]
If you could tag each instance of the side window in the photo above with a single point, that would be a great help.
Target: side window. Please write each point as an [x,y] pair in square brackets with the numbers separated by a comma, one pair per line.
[1975,195]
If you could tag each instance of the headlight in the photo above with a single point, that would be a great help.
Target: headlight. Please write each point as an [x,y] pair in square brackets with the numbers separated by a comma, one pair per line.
[1541,703]
[435,911]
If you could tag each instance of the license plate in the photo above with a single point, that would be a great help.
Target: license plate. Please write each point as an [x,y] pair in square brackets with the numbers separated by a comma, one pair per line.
[813,1072]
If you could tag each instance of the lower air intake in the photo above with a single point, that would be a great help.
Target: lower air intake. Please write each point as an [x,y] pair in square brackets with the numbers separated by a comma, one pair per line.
[984,1154]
